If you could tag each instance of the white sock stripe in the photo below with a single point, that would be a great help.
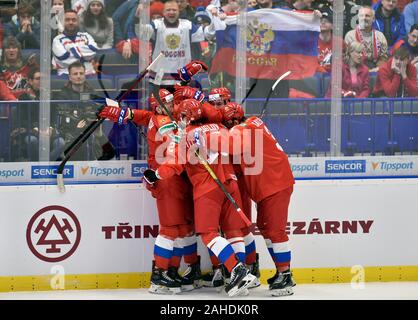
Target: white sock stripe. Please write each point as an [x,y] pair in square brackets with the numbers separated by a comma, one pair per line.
[178,243]
[249,238]
[187,241]
[236,239]
[238,247]
[281,247]
[164,243]
[212,242]
[217,245]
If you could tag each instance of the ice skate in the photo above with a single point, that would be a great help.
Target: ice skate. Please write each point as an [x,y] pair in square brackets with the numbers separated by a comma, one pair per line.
[271,280]
[282,285]
[192,277]
[241,279]
[255,271]
[162,283]
[213,279]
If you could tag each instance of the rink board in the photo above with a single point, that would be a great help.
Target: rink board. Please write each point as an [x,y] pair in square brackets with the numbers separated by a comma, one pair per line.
[102,236]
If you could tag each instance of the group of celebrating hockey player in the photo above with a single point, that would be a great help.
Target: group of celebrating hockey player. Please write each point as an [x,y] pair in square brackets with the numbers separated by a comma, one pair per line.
[203,182]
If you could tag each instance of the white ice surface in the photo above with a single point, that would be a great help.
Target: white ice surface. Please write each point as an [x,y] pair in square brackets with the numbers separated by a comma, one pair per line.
[371,291]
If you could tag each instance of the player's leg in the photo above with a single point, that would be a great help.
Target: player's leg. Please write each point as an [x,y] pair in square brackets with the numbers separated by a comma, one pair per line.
[271,220]
[233,227]
[161,282]
[191,278]
[166,254]
[214,278]
[249,240]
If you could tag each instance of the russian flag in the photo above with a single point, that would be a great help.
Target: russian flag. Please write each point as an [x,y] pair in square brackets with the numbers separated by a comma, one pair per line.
[278,40]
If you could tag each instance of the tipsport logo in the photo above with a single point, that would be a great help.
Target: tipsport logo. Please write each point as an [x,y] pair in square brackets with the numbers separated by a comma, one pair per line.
[305,168]
[102,172]
[392,166]
[5,174]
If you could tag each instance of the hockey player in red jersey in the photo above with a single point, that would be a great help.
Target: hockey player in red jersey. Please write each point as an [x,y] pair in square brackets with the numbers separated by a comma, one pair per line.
[219,97]
[269,182]
[174,203]
[212,208]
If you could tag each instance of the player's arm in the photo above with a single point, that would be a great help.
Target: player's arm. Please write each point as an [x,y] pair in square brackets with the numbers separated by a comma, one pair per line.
[123,115]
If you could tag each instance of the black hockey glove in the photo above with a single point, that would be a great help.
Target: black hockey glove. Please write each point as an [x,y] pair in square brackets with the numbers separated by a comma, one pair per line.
[150,176]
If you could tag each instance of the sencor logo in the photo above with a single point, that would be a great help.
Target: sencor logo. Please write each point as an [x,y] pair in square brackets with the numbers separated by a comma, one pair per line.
[138,169]
[305,167]
[12,173]
[50,172]
[345,166]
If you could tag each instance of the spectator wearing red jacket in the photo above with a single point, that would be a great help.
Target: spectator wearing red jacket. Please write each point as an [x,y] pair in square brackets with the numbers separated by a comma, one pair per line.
[397,77]
[355,74]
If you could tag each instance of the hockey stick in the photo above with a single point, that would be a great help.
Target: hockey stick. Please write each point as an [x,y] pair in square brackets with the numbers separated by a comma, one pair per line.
[247,222]
[99,77]
[94,125]
[249,91]
[284,75]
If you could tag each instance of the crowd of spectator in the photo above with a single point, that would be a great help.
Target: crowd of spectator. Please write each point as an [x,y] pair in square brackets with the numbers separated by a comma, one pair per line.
[380,39]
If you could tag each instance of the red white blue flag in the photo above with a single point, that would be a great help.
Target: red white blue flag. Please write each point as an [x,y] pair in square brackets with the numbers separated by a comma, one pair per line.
[278,40]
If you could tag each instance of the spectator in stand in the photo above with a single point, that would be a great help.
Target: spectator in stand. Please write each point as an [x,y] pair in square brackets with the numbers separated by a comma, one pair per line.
[57,17]
[25,133]
[325,43]
[173,36]
[389,21]
[14,70]
[374,41]
[95,22]
[350,9]
[355,74]
[251,4]
[35,4]
[397,77]
[32,89]
[411,43]
[24,27]
[156,10]
[126,42]
[73,45]
[411,14]
[186,10]
[203,50]
[71,118]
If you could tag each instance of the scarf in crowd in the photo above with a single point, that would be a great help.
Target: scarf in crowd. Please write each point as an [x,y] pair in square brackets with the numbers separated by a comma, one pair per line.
[375,42]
